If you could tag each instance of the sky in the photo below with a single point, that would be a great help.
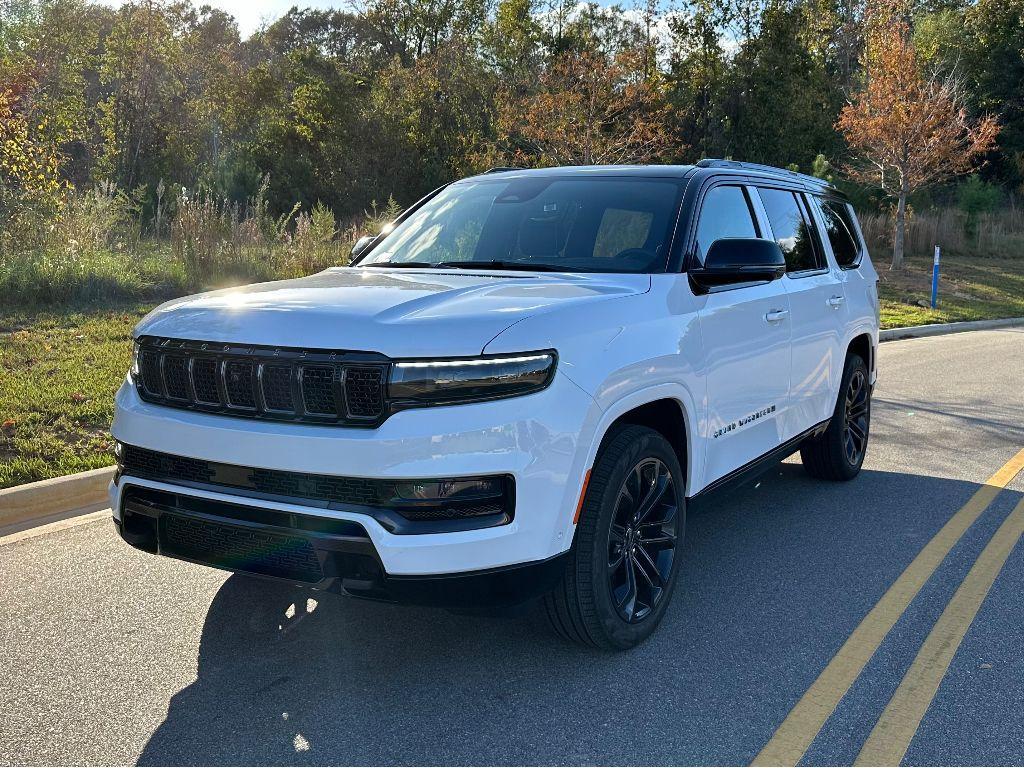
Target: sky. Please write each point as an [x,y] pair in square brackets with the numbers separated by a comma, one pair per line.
[251,13]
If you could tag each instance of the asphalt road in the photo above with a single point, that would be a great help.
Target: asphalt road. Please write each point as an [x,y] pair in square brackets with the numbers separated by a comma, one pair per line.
[108,655]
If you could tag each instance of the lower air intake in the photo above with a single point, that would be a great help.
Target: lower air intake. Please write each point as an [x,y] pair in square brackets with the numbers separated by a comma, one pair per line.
[240,549]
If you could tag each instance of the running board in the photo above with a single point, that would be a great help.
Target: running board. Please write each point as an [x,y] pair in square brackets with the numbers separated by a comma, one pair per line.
[756,467]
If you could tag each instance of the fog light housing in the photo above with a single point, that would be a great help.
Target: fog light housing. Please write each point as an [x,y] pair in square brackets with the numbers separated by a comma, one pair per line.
[473,488]
[453,498]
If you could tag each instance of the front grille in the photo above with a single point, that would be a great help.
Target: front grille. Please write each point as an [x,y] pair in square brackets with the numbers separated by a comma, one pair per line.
[239,548]
[205,380]
[176,377]
[318,390]
[317,386]
[239,383]
[307,488]
[364,389]
[277,388]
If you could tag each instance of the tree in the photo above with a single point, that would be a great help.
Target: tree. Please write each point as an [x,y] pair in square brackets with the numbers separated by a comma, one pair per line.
[592,110]
[993,59]
[908,129]
[783,105]
[430,119]
[698,73]
[30,183]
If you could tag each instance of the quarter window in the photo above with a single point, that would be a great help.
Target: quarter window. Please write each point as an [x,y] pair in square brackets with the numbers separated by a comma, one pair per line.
[725,213]
[840,230]
[791,230]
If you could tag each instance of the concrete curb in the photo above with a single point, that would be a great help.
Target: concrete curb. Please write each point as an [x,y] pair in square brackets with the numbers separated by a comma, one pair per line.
[53,499]
[940,329]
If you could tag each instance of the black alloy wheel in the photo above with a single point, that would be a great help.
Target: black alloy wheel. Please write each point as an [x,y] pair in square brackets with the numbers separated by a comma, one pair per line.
[642,540]
[855,426]
[838,452]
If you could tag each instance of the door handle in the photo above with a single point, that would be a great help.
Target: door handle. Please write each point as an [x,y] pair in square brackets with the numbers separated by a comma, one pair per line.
[836,301]
[776,315]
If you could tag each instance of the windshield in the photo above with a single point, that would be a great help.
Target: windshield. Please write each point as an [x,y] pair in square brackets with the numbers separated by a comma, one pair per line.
[538,223]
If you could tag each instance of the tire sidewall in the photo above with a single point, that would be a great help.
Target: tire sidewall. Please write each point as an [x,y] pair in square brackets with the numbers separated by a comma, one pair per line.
[620,633]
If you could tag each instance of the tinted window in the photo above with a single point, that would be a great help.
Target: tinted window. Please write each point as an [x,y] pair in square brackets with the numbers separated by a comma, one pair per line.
[789,226]
[840,230]
[621,230]
[571,224]
[724,213]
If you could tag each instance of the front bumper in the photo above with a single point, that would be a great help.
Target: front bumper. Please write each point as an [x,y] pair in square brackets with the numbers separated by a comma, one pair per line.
[542,440]
[332,555]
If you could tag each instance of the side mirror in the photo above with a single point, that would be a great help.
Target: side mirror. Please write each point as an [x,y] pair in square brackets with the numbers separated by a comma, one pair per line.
[735,260]
[361,245]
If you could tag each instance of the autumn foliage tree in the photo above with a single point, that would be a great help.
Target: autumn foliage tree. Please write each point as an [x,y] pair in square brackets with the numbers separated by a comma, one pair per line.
[590,109]
[909,129]
[30,183]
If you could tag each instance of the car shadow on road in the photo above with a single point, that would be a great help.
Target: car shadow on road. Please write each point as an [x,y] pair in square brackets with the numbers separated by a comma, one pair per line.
[774,579]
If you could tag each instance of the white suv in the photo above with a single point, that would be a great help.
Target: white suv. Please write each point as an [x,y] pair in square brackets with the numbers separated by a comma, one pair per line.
[512,392]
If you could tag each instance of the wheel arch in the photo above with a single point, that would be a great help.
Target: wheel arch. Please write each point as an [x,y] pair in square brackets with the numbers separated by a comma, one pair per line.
[669,411]
[861,344]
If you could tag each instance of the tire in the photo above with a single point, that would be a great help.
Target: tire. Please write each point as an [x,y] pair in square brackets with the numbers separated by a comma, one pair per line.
[591,603]
[838,453]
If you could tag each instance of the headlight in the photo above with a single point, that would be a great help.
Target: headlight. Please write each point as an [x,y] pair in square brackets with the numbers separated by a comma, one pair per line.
[446,382]
[135,360]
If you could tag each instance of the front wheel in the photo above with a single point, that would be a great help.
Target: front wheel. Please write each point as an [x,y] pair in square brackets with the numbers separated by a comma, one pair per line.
[624,564]
[838,453]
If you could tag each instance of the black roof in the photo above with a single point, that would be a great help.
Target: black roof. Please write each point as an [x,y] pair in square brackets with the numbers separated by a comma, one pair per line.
[650,171]
[729,167]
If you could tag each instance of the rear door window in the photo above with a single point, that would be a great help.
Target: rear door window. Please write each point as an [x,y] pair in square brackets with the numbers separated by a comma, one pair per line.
[724,213]
[841,231]
[791,229]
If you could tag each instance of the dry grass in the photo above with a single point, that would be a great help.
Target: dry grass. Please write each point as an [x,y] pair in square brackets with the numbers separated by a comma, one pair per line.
[93,251]
[999,234]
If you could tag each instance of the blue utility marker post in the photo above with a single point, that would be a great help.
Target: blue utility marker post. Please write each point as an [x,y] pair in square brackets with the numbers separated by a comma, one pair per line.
[935,279]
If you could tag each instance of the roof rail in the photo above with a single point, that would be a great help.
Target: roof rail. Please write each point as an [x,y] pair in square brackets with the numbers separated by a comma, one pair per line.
[502,169]
[712,163]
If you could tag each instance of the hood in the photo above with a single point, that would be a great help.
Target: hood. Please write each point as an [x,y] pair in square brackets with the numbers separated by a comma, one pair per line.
[395,312]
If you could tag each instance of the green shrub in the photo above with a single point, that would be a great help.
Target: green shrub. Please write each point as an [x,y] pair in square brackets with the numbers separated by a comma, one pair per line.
[976,197]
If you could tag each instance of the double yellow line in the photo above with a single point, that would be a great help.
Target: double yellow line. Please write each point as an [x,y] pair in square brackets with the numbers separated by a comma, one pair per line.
[894,730]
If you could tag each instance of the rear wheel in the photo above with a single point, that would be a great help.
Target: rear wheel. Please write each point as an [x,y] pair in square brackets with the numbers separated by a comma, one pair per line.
[624,564]
[838,453]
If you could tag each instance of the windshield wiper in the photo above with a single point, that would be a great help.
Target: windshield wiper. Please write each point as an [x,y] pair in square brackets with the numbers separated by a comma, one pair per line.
[524,266]
[400,264]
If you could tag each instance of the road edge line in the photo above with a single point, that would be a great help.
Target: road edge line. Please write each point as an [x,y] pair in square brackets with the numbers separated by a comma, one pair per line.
[805,720]
[898,724]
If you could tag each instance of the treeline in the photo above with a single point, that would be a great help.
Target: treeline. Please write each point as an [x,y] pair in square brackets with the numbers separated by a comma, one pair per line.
[165,100]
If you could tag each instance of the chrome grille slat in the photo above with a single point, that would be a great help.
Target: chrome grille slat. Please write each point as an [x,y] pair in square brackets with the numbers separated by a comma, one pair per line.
[262,382]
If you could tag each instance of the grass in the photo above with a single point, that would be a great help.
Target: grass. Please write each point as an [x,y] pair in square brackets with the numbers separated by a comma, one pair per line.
[60,368]
[969,289]
[59,371]
[50,277]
